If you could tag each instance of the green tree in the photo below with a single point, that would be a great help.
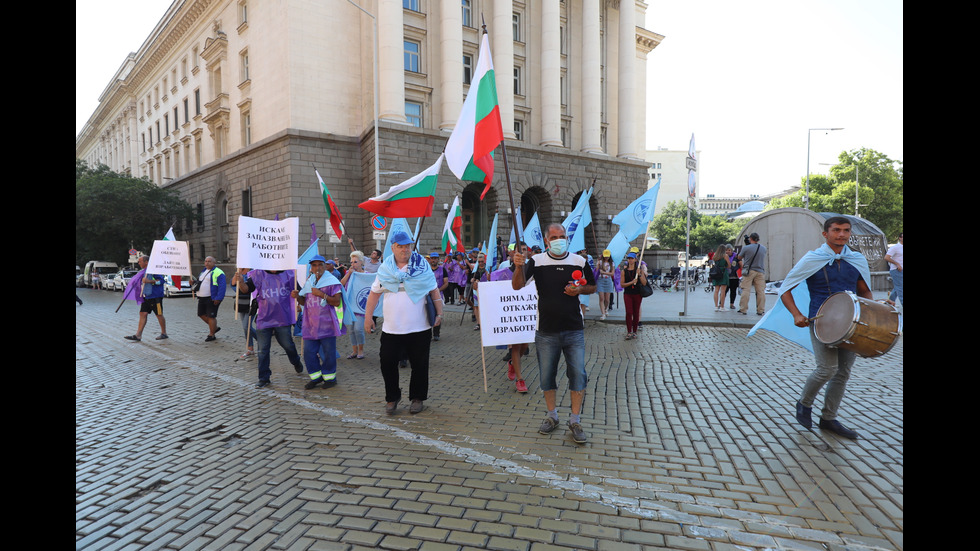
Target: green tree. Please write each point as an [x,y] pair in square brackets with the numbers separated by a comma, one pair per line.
[670,226]
[880,191]
[114,212]
[712,231]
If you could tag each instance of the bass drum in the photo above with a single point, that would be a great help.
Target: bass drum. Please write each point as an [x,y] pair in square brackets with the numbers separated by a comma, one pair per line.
[864,326]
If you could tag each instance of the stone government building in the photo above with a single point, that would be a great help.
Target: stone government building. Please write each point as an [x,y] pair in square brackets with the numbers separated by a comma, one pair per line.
[233,103]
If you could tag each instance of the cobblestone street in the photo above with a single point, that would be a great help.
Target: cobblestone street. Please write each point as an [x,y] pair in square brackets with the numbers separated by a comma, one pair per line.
[692,445]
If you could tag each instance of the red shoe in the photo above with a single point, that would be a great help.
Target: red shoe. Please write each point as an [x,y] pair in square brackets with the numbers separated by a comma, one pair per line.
[511,374]
[521,385]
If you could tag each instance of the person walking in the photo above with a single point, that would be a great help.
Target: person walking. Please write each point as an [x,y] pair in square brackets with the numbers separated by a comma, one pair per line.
[151,293]
[247,309]
[442,282]
[209,296]
[719,274]
[320,298]
[896,269]
[632,276]
[406,279]
[274,318]
[831,268]
[604,283]
[732,276]
[753,258]
[561,327]
[355,322]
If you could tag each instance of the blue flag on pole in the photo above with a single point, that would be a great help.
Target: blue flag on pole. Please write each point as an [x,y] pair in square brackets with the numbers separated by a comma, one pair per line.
[576,222]
[532,233]
[634,219]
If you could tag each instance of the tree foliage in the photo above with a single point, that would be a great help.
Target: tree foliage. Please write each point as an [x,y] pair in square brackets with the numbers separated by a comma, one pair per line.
[707,232]
[114,212]
[880,190]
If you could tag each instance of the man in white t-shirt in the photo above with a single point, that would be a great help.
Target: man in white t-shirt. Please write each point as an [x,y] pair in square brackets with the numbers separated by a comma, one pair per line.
[405,278]
[896,264]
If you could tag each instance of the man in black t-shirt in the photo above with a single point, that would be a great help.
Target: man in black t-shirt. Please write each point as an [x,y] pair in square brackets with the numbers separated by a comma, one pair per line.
[561,328]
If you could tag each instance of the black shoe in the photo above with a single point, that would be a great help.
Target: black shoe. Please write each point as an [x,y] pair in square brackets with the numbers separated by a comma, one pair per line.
[262,383]
[132,338]
[803,415]
[416,406]
[209,338]
[313,383]
[835,427]
[329,384]
[298,368]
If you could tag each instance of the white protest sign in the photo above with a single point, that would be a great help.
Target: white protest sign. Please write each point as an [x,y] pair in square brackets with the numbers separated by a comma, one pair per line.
[268,244]
[507,316]
[169,258]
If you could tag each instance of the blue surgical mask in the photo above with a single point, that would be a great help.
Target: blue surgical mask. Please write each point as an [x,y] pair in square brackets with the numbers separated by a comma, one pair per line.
[558,247]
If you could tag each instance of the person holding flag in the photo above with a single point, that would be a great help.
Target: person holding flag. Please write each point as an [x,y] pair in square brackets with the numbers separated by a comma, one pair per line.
[150,299]
[322,315]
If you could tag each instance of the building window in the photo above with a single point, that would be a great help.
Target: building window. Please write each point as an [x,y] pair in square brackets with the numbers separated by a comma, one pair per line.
[242,12]
[247,202]
[413,112]
[246,128]
[467,13]
[412,55]
[166,124]
[176,118]
[467,69]
[517,81]
[517,27]
[243,61]
[197,102]
[519,130]
[186,111]
[411,5]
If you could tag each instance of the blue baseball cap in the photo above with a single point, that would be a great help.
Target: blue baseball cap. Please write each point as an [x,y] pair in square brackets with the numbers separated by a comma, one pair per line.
[318,257]
[401,238]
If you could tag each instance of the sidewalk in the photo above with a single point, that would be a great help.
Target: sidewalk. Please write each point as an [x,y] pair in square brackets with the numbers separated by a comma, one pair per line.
[692,445]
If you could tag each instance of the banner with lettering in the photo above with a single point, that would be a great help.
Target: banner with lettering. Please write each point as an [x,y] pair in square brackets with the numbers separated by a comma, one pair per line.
[507,316]
[169,258]
[268,244]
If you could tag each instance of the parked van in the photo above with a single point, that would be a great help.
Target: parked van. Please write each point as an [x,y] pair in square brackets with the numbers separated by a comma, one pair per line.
[103,269]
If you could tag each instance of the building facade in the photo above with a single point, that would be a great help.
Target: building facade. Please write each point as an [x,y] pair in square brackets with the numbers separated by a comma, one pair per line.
[234,103]
[670,168]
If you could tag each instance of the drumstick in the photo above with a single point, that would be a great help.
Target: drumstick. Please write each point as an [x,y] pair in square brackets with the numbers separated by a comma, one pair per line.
[815,317]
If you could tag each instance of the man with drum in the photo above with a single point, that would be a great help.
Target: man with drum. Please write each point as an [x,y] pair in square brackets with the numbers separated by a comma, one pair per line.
[831,268]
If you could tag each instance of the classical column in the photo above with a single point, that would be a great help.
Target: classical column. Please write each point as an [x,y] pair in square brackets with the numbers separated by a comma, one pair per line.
[502,44]
[591,78]
[451,50]
[391,61]
[550,73]
[627,79]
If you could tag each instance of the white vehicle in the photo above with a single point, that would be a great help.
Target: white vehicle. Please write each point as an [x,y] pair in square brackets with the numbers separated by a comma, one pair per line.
[102,271]
[171,290]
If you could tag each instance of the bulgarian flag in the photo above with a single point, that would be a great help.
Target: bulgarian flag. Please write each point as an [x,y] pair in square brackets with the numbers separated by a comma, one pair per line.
[452,235]
[478,131]
[333,213]
[412,198]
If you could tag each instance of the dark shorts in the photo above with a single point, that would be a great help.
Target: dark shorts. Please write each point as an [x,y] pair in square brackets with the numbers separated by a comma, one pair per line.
[152,305]
[207,307]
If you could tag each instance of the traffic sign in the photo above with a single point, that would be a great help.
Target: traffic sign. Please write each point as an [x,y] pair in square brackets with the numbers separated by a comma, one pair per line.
[379,222]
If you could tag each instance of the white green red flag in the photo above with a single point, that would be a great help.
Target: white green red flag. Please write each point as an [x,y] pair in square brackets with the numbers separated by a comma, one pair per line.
[412,198]
[333,213]
[452,233]
[478,131]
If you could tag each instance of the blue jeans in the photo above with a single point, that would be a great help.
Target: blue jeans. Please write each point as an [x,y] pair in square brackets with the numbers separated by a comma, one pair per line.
[356,331]
[833,369]
[284,338]
[549,348]
[898,284]
[321,358]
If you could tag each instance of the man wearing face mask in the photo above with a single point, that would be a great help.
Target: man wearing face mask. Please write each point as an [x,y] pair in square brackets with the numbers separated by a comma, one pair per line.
[561,328]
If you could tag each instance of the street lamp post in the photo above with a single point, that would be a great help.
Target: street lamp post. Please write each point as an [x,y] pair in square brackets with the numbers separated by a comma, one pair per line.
[806,198]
